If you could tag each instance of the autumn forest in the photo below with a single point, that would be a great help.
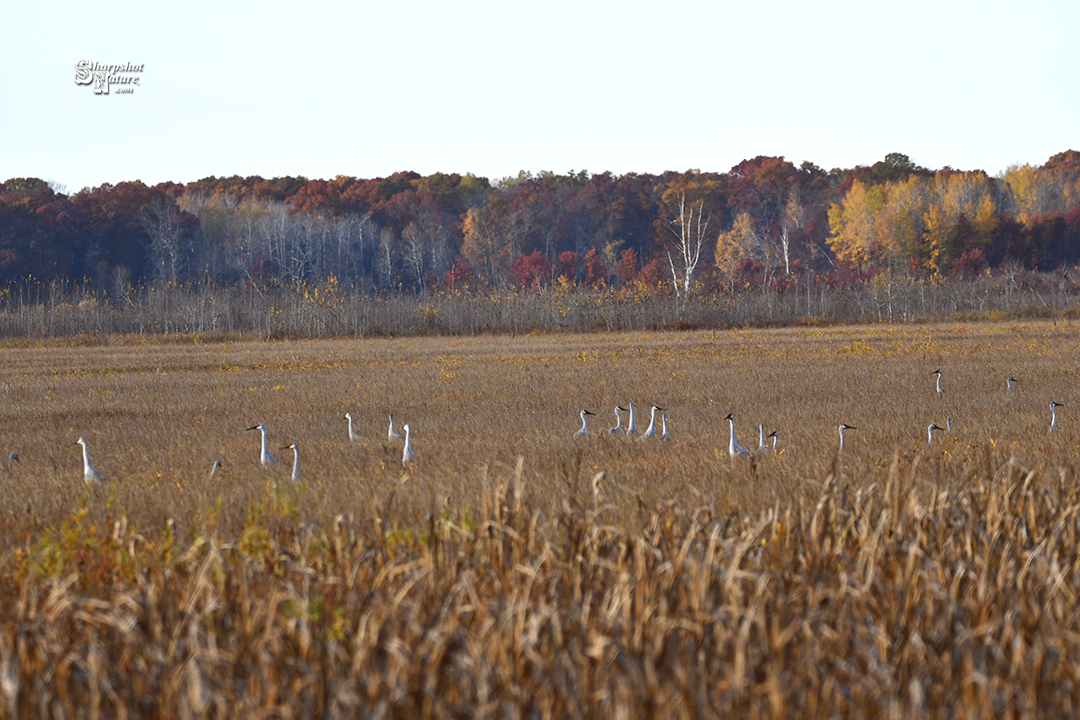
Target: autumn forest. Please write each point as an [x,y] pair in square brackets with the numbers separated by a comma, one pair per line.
[766,223]
[513,554]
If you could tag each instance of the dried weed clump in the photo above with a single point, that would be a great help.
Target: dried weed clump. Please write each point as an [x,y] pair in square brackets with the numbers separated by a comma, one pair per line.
[518,571]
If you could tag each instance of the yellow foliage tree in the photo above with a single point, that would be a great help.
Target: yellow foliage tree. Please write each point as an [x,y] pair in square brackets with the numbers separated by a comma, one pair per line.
[854,239]
[737,244]
[960,193]
[1027,191]
[934,238]
[986,220]
[898,226]
[483,245]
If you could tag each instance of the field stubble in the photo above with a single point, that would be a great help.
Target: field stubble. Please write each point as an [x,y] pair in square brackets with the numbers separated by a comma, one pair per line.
[517,569]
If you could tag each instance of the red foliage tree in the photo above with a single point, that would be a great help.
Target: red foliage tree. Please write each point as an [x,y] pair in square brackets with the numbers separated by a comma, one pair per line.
[969,264]
[531,270]
[627,267]
[652,273]
[568,265]
[595,270]
[458,277]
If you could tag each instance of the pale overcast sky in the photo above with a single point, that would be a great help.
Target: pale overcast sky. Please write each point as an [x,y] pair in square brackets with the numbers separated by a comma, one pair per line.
[370,88]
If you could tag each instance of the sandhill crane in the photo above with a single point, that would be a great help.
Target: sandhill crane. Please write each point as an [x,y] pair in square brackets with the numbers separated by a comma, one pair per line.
[584,425]
[843,427]
[940,392]
[1053,415]
[734,448]
[392,433]
[407,455]
[618,421]
[930,434]
[663,428]
[295,461]
[90,473]
[631,426]
[651,430]
[352,433]
[265,458]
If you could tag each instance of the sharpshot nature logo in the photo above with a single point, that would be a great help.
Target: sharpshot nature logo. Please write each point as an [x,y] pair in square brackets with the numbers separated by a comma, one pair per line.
[125,76]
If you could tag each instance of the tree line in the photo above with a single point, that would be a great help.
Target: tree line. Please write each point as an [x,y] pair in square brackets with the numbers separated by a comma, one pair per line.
[765,222]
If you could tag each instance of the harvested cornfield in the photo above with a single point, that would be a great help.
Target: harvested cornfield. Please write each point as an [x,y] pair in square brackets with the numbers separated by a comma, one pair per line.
[517,570]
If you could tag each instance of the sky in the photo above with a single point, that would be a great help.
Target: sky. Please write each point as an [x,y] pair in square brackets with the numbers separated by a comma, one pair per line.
[366,89]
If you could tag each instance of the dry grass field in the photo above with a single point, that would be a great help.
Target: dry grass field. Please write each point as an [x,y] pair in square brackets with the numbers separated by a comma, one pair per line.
[517,570]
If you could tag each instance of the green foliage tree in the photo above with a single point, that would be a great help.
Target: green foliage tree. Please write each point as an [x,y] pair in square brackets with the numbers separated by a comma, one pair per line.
[896,167]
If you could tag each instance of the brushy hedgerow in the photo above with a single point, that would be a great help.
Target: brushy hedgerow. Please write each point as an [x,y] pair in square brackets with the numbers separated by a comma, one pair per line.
[209,312]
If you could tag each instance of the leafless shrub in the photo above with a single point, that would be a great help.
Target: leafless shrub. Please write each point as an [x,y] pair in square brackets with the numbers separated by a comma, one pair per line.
[312,310]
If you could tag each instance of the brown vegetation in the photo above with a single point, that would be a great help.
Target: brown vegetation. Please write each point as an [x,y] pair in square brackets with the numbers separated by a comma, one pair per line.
[516,570]
[207,312]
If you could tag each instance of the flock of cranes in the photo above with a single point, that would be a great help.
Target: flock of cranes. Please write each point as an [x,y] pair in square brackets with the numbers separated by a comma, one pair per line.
[736,450]
[266,459]
[631,424]
[408,456]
